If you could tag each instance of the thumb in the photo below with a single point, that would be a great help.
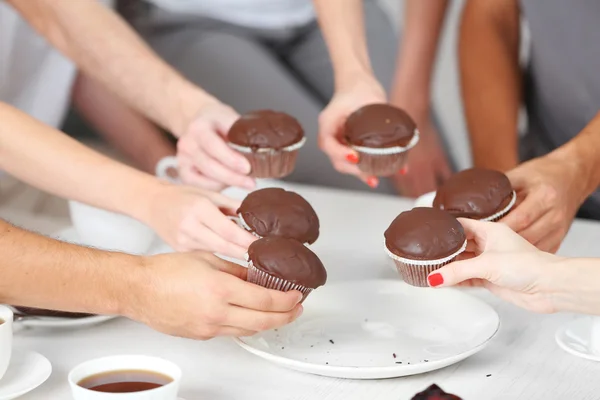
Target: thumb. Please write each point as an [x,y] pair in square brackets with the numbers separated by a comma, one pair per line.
[461,271]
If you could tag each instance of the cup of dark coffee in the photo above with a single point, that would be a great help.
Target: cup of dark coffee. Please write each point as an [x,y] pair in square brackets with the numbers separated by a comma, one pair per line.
[6,338]
[125,378]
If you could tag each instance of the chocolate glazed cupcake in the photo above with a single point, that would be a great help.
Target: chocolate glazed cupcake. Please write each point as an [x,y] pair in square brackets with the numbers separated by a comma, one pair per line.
[285,264]
[382,135]
[434,392]
[422,240]
[270,141]
[277,212]
[476,193]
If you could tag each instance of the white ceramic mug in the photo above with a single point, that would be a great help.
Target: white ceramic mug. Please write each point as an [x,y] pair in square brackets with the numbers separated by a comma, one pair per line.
[6,338]
[110,231]
[126,363]
[163,167]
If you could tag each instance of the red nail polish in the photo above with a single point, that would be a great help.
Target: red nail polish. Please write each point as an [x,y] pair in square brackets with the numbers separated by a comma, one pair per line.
[373,182]
[435,280]
[352,158]
[403,171]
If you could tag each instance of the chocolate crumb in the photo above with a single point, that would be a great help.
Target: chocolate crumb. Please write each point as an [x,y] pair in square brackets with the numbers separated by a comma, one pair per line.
[488,375]
[331,341]
[326,363]
[283,348]
[312,345]
[426,360]
[394,355]
[398,362]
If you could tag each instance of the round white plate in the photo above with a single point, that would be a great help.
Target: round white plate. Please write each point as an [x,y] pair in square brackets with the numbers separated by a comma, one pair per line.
[575,337]
[378,329]
[27,371]
[67,235]
[425,200]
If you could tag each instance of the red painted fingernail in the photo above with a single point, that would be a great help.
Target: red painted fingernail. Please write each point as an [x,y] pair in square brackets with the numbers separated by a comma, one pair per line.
[373,182]
[352,158]
[403,171]
[435,280]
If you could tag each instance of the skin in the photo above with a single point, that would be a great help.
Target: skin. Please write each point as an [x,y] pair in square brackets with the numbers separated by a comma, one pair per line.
[123,64]
[187,218]
[513,269]
[427,164]
[550,189]
[193,295]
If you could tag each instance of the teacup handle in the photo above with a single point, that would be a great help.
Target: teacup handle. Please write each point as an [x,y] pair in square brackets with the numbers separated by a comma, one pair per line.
[163,167]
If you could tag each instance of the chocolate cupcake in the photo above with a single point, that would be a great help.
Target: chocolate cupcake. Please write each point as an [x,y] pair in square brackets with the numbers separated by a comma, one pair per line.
[270,140]
[382,135]
[279,213]
[434,392]
[476,193]
[422,240]
[285,264]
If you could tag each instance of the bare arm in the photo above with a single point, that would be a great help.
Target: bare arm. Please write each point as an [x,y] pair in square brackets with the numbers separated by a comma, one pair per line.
[417,53]
[103,46]
[491,80]
[28,147]
[40,272]
[123,127]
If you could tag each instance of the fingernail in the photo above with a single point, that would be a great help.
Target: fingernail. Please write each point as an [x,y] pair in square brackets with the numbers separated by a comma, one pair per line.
[435,280]
[352,158]
[403,171]
[373,182]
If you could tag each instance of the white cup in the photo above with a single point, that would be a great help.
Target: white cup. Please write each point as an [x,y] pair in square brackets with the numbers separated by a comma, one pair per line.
[126,363]
[110,231]
[165,167]
[595,336]
[6,338]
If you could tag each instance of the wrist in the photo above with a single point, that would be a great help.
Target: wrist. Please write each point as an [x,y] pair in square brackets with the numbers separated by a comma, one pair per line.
[190,104]
[133,282]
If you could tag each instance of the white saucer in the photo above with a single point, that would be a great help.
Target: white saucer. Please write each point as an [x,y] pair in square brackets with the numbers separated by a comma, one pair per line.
[425,200]
[574,337]
[354,329]
[27,371]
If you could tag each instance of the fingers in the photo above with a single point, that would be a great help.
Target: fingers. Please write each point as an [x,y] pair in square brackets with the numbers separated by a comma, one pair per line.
[227,229]
[218,170]
[210,142]
[527,213]
[223,201]
[260,321]
[462,271]
[539,230]
[254,297]
[199,237]
[551,242]
[230,331]
[228,267]
[191,176]
[476,233]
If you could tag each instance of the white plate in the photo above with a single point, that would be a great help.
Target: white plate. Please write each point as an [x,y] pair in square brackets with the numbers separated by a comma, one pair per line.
[574,338]
[67,235]
[354,329]
[27,371]
[425,200]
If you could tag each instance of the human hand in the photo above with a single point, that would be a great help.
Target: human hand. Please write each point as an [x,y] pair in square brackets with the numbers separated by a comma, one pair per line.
[549,193]
[200,296]
[427,164]
[507,265]
[205,160]
[189,218]
[331,125]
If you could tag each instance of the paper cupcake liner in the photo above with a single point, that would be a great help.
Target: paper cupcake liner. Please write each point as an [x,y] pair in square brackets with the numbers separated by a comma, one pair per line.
[271,163]
[415,272]
[502,213]
[384,161]
[263,279]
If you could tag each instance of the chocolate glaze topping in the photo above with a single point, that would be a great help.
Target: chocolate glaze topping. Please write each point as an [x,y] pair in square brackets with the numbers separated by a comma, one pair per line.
[474,193]
[265,129]
[277,212]
[38,312]
[379,126]
[424,234]
[434,392]
[288,259]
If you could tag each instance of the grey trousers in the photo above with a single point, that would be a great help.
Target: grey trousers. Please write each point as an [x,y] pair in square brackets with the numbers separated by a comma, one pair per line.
[286,70]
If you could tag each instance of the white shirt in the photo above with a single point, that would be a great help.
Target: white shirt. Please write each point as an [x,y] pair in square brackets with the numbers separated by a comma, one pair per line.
[267,14]
[34,77]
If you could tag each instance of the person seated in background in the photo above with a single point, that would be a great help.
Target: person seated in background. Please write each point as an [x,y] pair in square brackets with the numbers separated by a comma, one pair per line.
[513,269]
[258,54]
[560,173]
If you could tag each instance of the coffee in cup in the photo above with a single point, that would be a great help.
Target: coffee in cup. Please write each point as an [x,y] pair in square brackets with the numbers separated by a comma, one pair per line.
[126,381]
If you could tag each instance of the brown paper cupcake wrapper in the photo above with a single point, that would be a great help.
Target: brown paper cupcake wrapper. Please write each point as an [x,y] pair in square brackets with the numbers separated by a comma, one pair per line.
[384,161]
[502,213]
[271,163]
[415,272]
[263,279]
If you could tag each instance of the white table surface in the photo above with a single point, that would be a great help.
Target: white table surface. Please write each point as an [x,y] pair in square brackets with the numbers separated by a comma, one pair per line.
[523,360]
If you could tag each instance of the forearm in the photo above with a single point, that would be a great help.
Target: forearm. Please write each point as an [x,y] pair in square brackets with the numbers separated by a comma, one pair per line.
[103,46]
[581,154]
[40,272]
[342,24]
[124,128]
[491,80]
[577,285]
[51,161]
[417,52]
